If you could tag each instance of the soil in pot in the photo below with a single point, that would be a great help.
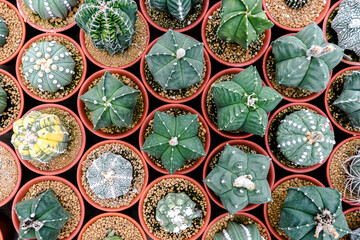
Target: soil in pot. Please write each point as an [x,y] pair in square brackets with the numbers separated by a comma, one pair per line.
[352,219]
[8,173]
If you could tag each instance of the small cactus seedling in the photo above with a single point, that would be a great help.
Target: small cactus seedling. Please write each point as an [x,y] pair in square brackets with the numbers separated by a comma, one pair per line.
[351,168]
[175,212]
[39,137]
[112,236]
[4,32]
[3,100]
[174,140]
[50,9]
[355,235]
[177,8]
[111,102]
[296,4]
[305,138]
[110,175]
[305,59]
[239,232]
[312,212]
[110,24]
[176,61]
[48,66]
[243,103]
[41,217]
[240,179]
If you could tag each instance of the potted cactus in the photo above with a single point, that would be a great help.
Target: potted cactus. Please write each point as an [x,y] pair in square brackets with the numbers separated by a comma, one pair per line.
[352,218]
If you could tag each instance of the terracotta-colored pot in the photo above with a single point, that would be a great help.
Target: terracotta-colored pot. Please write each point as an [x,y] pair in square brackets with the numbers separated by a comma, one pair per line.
[83,191]
[167,100]
[81,106]
[23,190]
[294,170]
[206,169]
[82,148]
[212,54]
[151,116]
[28,45]
[301,176]
[142,199]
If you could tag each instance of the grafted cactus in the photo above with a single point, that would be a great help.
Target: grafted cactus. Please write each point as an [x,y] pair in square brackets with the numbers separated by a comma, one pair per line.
[176,61]
[305,59]
[178,8]
[41,217]
[4,32]
[312,212]
[351,168]
[296,4]
[48,9]
[3,100]
[110,24]
[112,236]
[355,235]
[243,103]
[174,140]
[239,232]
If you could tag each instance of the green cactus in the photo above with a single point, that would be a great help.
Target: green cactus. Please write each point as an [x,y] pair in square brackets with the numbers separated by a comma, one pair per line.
[355,235]
[174,140]
[110,24]
[305,59]
[3,100]
[177,8]
[176,61]
[312,212]
[243,103]
[4,32]
[296,4]
[111,236]
[50,9]
[351,168]
[239,232]
[41,217]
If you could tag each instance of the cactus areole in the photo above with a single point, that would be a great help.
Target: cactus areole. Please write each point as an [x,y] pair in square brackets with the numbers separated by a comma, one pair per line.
[236,231]
[177,8]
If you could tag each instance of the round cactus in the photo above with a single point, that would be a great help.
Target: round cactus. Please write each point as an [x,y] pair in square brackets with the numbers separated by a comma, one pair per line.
[48,9]
[111,236]
[178,8]
[239,232]
[3,100]
[296,4]
[4,32]
[351,168]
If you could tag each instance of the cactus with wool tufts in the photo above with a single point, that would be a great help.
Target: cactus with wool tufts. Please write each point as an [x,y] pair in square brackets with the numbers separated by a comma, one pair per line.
[243,103]
[177,8]
[239,232]
[296,4]
[176,61]
[305,59]
[112,236]
[355,235]
[3,100]
[110,24]
[50,9]
[240,179]
[41,217]
[312,212]
[4,32]
[39,137]
[351,168]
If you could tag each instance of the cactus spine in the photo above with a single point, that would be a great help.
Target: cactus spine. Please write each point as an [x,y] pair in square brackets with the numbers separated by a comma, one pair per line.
[351,168]
[177,8]
[4,32]
[3,100]
[296,4]
[239,232]
[50,9]
[112,236]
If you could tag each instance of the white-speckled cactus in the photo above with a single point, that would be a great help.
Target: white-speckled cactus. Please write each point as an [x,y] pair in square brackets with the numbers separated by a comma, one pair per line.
[236,231]
[112,236]
[178,8]
[3,100]
[48,9]
[4,32]
[355,234]
[296,4]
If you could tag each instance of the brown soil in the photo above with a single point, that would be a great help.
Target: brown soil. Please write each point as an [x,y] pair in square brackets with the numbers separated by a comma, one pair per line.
[8,173]
[353,220]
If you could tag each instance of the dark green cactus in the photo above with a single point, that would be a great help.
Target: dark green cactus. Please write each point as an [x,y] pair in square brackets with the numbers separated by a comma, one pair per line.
[355,235]
[176,61]
[41,217]
[240,179]
[351,168]
[112,236]
[178,8]
[239,232]
[48,9]
[3,100]
[243,103]
[4,32]
[296,4]
[305,59]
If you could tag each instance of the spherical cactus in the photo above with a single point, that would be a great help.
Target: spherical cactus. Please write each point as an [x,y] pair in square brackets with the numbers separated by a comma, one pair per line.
[355,235]
[239,232]
[110,24]
[351,168]
[48,9]
[111,236]
[178,8]
[296,4]
[3,100]
[4,32]
[39,137]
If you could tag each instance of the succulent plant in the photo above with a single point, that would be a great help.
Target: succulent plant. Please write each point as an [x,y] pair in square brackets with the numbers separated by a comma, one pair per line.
[351,168]
[112,236]
[3,100]
[296,4]
[177,8]
[175,212]
[176,61]
[305,60]
[242,22]
[48,66]
[41,217]
[312,212]
[243,103]
[50,9]
[110,24]
[110,175]
[4,32]
[111,102]
[239,232]
[355,235]
[39,137]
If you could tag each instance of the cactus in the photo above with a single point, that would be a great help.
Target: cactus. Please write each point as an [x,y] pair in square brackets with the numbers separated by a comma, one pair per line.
[110,176]
[240,179]
[305,138]
[296,4]
[239,232]
[355,235]
[41,217]
[39,137]
[351,168]
[174,140]
[243,103]
[3,100]
[177,8]
[111,236]
[4,32]
[111,102]
[242,22]
[175,212]
[110,24]
[176,61]
[312,212]
[50,9]
[48,66]
[305,59]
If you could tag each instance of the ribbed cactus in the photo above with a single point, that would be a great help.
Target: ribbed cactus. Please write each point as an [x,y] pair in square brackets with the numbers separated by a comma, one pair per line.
[4,32]
[355,235]
[48,66]
[3,100]
[111,102]
[296,4]
[305,59]
[48,9]
[177,8]
[176,61]
[39,137]
[41,217]
[175,212]
[240,179]
[243,103]
[242,22]
[239,232]
[305,138]
[312,212]
[110,175]
[112,236]
[110,24]
[351,168]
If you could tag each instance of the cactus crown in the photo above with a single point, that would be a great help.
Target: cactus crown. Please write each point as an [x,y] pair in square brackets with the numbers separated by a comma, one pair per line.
[3,100]
[243,103]
[110,24]
[50,9]
[112,236]
[177,8]
[296,4]
[239,232]
[4,32]
[176,61]
[351,168]
[41,217]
